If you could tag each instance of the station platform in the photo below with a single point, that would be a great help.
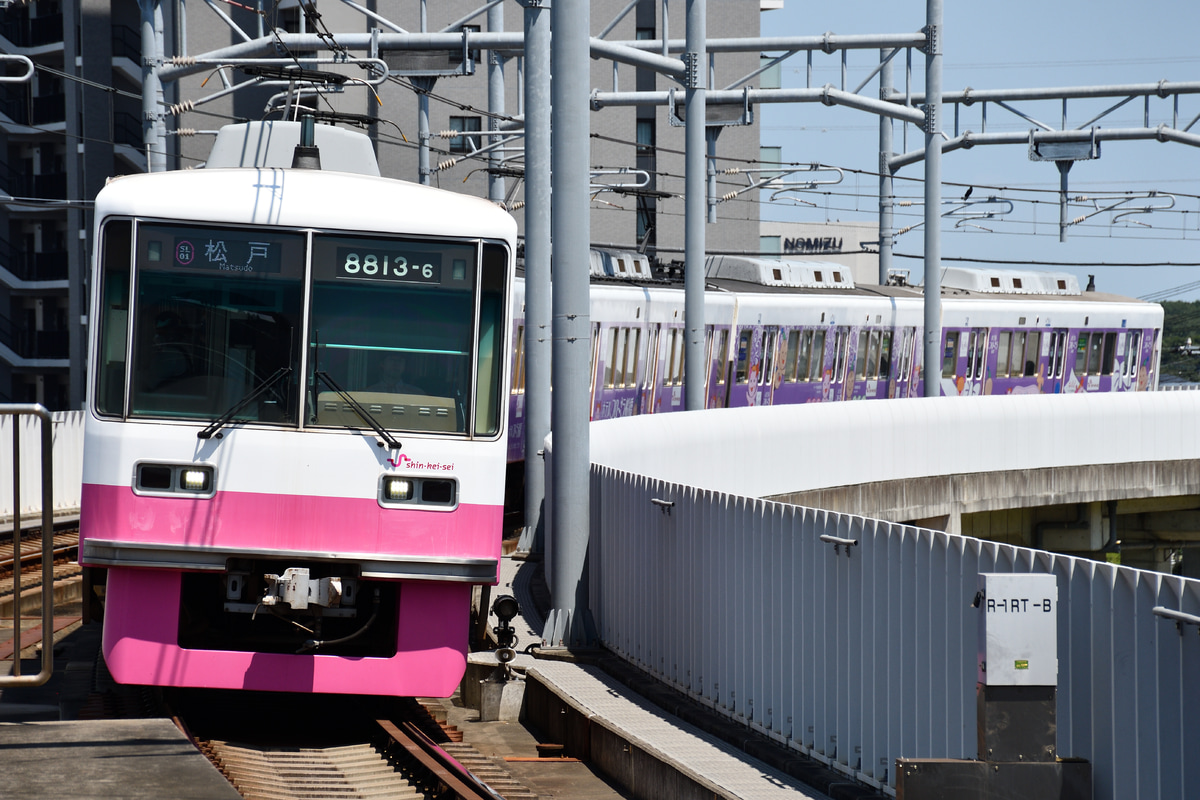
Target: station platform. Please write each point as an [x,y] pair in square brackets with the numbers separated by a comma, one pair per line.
[641,747]
[126,758]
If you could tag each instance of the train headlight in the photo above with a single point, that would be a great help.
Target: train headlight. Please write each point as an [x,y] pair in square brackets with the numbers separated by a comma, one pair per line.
[397,489]
[195,480]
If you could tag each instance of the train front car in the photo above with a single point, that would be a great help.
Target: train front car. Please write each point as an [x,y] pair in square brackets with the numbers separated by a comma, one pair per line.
[295,440]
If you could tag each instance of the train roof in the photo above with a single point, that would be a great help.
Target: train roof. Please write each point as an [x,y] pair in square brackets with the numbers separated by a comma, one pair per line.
[304,198]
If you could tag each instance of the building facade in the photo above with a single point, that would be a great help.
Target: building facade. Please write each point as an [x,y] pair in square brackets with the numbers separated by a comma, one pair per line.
[79,121]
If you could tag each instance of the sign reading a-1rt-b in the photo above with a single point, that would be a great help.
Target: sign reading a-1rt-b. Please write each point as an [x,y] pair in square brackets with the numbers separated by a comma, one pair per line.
[1018,630]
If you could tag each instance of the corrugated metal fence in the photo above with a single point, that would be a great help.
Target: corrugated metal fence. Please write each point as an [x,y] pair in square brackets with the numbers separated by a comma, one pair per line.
[859,655]
[68,463]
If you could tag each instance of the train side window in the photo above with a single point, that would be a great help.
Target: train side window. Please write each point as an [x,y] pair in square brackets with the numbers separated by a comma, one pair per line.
[493,295]
[680,349]
[1016,358]
[816,360]
[1095,347]
[1033,351]
[861,369]
[1081,349]
[1002,354]
[1110,353]
[950,355]
[633,341]
[766,374]
[793,356]
[722,354]
[518,372]
[885,354]
[743,358]
[611,362]
[117,258]
[841,344]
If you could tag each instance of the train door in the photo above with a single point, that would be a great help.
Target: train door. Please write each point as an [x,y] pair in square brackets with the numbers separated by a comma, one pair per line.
[976,366]
[1055,343]
[649,384]
[719,374]
[768,358]
[901,384]
[837,358]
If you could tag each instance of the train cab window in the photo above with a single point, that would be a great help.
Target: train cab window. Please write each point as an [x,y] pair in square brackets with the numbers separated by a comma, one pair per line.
[743,357]
[950,355]
[217,323]
[392,327]
[116,261]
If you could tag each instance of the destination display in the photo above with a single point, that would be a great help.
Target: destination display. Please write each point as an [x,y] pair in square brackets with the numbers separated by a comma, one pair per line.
[223,250]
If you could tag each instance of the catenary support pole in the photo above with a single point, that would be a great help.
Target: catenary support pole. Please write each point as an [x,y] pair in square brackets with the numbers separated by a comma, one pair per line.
[695,61]
[154,132]
[933,198]
[887,197]
[537,268]
[570,231]
[495,23]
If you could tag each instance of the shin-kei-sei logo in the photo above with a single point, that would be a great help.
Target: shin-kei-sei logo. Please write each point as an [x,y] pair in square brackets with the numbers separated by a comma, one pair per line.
[410,463]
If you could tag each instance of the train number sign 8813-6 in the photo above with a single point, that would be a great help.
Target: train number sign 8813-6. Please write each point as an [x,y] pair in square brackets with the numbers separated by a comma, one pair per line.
[414,267]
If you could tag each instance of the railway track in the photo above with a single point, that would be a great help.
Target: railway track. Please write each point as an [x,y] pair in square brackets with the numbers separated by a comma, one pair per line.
[399,760]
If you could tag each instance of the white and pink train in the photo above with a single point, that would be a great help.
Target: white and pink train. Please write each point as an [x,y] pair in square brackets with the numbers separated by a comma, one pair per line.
[782,331]
[305,386]
[295,437]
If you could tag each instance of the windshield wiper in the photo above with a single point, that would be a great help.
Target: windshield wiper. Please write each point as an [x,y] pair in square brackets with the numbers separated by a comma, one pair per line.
[362,412]
[223,420]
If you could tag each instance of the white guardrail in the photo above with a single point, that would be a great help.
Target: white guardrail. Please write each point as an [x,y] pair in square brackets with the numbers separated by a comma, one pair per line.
[861,654]
[67,458]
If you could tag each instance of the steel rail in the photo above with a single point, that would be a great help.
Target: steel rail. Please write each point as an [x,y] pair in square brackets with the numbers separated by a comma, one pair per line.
[440,763]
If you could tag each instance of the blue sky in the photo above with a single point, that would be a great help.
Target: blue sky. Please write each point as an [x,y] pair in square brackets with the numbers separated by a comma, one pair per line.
[1010,45]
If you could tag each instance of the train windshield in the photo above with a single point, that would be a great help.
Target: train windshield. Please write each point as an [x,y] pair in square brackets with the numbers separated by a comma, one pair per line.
[217,320]
[391,333]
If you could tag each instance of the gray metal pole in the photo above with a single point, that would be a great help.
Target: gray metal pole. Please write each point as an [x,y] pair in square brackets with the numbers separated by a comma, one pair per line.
[570,232]
[933,199]
[1063,168]
[695,61]
[887,196]
[538,317]
[424,173]
[154,134]
[495,23]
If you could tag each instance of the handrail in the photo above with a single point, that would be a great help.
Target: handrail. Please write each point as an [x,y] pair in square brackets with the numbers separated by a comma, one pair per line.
[47,668]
